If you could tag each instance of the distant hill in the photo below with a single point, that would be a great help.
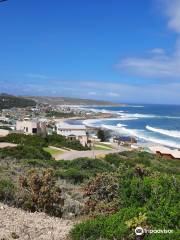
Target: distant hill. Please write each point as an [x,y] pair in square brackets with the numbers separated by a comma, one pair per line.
[72,101]
[9,101]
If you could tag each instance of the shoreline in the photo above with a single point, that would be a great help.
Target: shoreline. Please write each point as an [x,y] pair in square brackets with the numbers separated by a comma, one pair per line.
[145,139]
[142,143]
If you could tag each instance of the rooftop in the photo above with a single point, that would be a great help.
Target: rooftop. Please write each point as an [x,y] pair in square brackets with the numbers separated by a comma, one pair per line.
[70,126]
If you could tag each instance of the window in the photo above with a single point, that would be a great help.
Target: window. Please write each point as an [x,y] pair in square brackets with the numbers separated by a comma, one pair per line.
[34,130]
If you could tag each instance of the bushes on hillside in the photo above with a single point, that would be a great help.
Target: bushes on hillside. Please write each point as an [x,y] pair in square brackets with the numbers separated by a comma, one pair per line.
[130,158]
[40,193]
[81,169]
[111,227]
[144,198]
[103,194]
[75,171]
[94,165]
[122,225]
[24,152]
[72,174]
[22,139]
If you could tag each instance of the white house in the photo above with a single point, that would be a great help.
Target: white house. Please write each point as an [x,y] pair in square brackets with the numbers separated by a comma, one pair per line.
[77,132]
[30,126]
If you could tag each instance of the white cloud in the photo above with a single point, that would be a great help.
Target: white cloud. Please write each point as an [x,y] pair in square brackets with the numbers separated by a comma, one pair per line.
[92,93]
[119,92]
[37,76]
[172,11]
[157,51]
[156,66]
[159,64]
[153,93]
[113,94]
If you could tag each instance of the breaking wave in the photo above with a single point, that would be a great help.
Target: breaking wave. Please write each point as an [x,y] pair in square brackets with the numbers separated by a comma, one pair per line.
[138,115]
[170,133]
[142,134]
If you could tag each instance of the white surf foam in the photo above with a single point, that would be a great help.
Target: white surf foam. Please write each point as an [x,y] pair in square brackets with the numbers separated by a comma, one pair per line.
[121,125]
[171,133]
[142,134]
[161,141]
[98,122]
[95,110]
[139,115]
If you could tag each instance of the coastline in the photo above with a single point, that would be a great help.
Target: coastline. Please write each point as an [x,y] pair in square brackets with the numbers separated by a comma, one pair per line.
[144,142]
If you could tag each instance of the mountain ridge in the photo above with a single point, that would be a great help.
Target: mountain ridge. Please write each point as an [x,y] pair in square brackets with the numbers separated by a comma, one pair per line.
[71,101]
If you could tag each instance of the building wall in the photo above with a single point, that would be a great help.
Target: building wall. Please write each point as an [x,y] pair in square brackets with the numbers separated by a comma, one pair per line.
[31,127]
[28,127]
[78,134]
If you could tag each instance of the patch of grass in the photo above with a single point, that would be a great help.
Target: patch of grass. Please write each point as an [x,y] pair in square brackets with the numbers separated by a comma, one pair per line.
[52,151]
[102,147]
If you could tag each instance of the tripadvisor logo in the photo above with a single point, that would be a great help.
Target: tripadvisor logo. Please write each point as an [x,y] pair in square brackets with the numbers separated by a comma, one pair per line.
[140,231]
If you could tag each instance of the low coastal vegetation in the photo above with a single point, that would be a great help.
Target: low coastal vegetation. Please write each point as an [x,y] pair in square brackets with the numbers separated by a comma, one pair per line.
[141,192]
[109,197]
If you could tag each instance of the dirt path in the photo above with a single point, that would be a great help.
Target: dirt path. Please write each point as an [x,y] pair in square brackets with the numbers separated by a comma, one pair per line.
[18,224]
[4,145]
[70,155]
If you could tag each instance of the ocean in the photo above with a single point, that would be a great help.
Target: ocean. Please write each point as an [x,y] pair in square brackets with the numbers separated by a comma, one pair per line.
[156,124]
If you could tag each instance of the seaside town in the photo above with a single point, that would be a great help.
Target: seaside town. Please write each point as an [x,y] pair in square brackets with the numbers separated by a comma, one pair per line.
[46,119]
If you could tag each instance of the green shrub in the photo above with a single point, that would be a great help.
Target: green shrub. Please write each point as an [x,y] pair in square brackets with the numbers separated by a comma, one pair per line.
[145,198]
[22,139]
[121,226]
[6,190]
[115,159]
[24,152]
[130,159]
[72,174]
[112,227]
[76,171]
[93,165]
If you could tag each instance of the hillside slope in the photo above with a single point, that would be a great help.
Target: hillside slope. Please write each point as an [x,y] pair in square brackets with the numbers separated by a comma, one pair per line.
[9,101]
[72,101]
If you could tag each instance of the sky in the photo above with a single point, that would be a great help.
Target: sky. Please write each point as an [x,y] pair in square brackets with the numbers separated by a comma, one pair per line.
[117,50]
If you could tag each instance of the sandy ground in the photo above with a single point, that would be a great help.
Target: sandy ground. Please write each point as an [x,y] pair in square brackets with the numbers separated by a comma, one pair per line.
[4,144]
[18,224]
[70,155]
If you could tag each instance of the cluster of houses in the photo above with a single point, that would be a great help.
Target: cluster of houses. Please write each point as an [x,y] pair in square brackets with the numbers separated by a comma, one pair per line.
[82,133]
[77,132]
[85,135]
